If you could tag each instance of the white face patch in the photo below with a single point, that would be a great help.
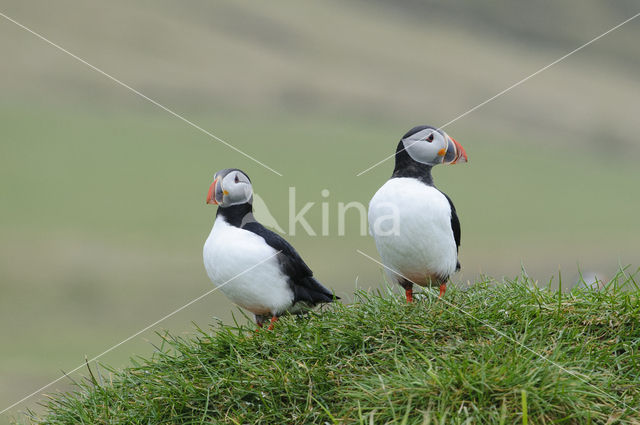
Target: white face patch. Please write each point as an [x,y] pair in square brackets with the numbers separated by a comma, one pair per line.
[426,146]
[236,189]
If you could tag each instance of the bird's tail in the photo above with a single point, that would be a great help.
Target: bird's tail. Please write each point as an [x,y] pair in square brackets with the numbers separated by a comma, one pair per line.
[314,292]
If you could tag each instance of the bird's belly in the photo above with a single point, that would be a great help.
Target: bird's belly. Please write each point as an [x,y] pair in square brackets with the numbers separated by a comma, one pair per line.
[423,257]
[247,271]
[418,242]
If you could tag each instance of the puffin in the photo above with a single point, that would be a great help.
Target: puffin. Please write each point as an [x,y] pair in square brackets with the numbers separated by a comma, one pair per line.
[254,267]
[415,225]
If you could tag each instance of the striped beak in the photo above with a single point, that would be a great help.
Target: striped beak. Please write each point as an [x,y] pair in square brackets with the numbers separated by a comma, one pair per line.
[455,152]
[212,195]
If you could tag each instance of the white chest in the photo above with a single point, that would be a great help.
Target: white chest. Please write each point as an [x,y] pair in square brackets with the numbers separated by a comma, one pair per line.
[246,269]
[411,225]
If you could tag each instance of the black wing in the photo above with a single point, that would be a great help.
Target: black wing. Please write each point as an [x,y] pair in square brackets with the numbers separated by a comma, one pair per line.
[304,286]
[455,225]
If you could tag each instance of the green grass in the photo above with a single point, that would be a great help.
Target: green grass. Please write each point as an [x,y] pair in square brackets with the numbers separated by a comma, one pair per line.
[380,360]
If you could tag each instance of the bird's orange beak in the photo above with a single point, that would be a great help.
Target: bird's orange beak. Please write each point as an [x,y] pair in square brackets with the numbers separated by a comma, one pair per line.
[455,152]
[211,195]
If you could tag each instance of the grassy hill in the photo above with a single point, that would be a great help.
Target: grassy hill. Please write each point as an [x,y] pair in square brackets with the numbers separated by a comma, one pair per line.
[507,352]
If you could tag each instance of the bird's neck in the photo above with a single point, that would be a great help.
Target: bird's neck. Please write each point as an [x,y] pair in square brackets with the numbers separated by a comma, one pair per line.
[408,167]
[236,215]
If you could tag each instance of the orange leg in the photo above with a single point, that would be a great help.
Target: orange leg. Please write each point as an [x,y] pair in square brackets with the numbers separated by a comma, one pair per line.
[443,288]
[409,294]
[408,289]
[274,319]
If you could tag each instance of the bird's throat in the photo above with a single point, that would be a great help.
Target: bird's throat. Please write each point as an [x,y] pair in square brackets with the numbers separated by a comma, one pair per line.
[237,215]
[408,167]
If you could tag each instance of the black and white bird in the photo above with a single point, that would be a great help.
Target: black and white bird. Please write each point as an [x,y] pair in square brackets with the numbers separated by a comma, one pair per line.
[415,225]
[254,267]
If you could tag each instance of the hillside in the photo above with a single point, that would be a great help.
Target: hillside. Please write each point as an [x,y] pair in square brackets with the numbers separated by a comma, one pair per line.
[382,361]
[402,61]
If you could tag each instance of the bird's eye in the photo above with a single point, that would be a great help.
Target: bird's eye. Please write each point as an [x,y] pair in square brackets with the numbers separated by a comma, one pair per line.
[430,138]
[237,180]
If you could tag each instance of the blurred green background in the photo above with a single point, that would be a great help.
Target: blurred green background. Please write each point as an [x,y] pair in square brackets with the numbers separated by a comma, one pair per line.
[102,214]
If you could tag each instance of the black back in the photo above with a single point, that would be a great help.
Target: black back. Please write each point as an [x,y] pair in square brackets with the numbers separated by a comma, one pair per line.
[301,281]
[455,226]
[304,286]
